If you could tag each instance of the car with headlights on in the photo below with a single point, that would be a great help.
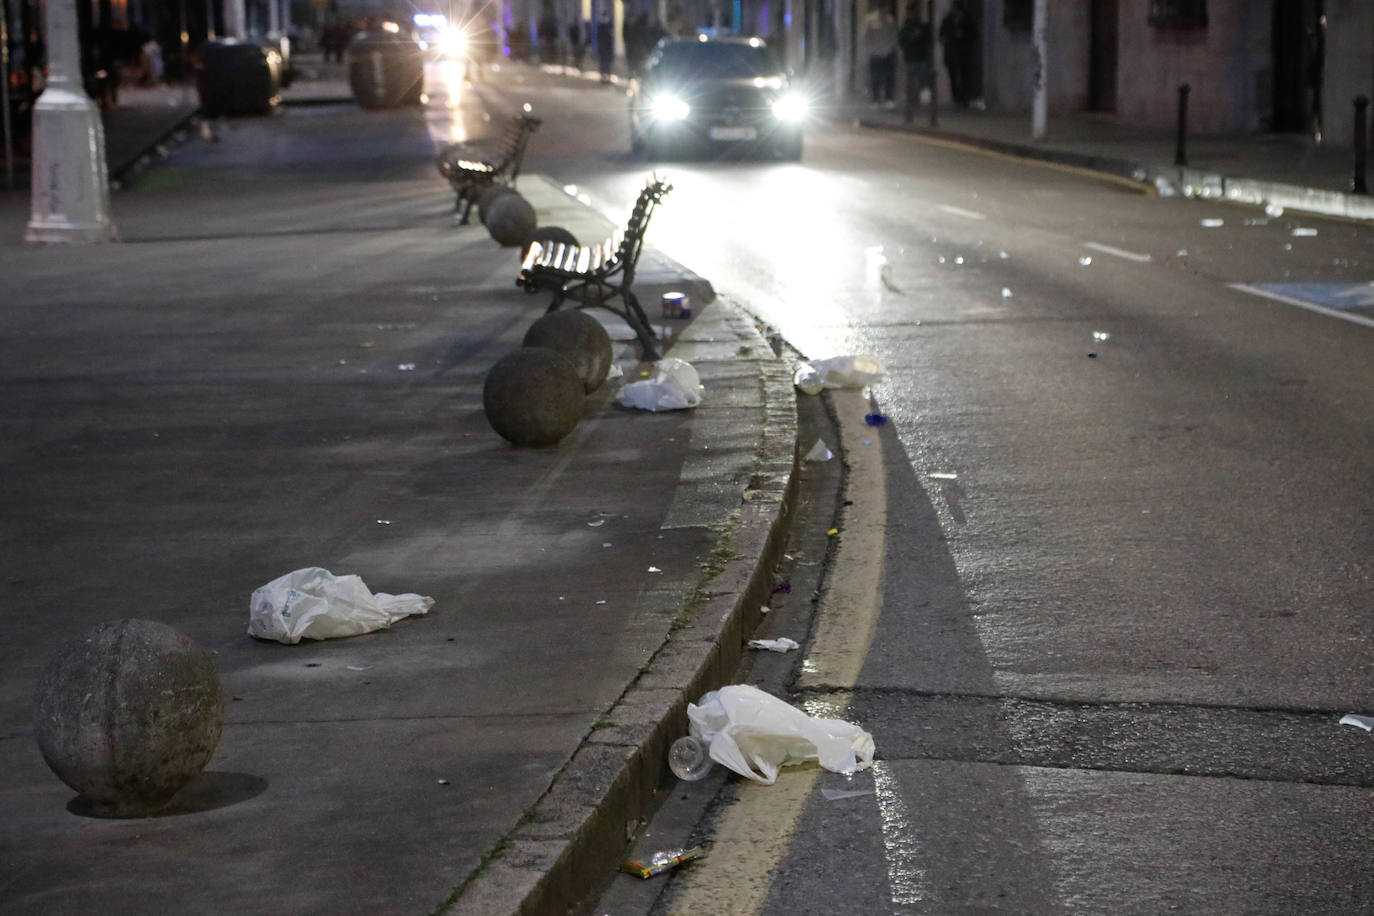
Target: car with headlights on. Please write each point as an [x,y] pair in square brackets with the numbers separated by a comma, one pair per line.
[715,94]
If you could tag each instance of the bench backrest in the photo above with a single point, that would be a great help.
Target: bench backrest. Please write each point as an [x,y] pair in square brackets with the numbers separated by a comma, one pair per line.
[513,142]
[632,242]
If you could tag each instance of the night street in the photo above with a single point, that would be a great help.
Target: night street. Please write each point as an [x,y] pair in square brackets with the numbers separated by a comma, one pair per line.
[1125,568]
[1091,562]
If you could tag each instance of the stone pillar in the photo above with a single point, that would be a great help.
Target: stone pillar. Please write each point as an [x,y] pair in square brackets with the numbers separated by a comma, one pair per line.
[71,184]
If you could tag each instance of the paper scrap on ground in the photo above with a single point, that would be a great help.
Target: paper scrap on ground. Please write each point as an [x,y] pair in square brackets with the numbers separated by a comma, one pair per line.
[781,644]
[838,794]
[675,386]
[819,452]
[838,372]
[313,603]
[1364,722]
[755,733]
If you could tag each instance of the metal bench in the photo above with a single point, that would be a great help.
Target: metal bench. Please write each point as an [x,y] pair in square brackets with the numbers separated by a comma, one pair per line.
[594,275]
[470,176]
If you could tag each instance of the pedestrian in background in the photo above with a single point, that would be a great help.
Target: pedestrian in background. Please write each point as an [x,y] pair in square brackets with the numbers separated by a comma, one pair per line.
[605,44]
[880,43]
[958,33]
[914,40]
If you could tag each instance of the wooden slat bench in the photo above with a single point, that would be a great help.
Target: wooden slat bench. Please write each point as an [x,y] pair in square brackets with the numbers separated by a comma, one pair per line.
[594,275]
[469,175]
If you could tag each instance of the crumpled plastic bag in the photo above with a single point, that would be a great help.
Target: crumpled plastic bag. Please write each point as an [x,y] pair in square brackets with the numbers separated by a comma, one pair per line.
[755,734]
[838,372]
[314,603]
[675,386]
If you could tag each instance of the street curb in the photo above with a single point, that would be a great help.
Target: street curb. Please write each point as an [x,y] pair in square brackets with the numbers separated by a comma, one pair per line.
[575,834]
[138,158]
[1169,180]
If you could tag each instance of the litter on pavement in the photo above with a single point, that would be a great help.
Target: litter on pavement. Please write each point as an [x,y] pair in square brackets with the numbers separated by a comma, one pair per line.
[841,794]
[660,862]
[313,603]
[838,372]
[819,452]
[755,734]
[781,644]
[675,386]
[1364,722]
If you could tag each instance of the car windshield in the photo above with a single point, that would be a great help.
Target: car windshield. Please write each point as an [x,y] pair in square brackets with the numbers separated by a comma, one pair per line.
[722,60]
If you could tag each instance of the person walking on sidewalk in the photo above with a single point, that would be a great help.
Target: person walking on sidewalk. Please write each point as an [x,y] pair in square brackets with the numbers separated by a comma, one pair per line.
[880,43]
[605,44]
[958,33]
[914,40]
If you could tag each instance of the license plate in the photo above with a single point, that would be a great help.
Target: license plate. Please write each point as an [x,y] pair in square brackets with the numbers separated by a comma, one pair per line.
[733,133]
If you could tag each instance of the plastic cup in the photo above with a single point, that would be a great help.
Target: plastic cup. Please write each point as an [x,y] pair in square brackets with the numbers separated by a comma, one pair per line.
[688,760]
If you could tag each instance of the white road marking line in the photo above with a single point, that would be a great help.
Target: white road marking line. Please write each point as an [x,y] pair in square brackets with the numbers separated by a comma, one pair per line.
[1118,252]
[960,211]
[1310,306]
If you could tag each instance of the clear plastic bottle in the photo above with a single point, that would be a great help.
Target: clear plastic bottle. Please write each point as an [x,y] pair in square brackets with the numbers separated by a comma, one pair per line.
[688,760]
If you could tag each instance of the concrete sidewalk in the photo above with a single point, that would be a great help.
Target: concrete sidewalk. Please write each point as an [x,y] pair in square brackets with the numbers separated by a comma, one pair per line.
[282,367]
[1284,170]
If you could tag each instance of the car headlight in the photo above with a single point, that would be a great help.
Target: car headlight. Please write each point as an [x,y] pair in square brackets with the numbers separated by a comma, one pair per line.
[791,106]
[670,108]
[451,42]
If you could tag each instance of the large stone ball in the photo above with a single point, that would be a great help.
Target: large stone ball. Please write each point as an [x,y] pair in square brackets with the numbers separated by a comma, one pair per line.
[127,714]
[580,338]
[509,219]
[488,196]
[547,236]
[533,396]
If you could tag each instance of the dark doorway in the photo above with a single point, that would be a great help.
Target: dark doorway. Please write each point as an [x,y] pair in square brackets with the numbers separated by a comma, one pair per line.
[1102,56]
[1299,43]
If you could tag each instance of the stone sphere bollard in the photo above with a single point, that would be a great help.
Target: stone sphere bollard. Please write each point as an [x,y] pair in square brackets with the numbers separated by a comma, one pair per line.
[580,338]
[509,218]
[533,396]
[547,236]
[488,196]
[127,714]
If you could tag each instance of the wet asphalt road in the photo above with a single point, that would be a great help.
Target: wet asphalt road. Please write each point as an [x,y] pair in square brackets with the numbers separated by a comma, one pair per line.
[1126,571]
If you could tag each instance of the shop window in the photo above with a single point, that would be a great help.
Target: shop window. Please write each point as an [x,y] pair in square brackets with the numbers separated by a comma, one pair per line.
[1184,14]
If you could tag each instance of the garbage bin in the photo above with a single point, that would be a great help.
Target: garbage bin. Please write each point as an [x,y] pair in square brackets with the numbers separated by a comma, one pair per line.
[385,69]
[238,77]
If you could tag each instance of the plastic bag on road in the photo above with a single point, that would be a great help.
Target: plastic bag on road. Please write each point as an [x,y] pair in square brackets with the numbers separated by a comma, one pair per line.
[755,734]
[675,386]
[314,603]
[838,372]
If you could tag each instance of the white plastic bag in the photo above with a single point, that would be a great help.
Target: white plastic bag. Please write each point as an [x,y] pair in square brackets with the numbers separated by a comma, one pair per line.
[755,734]
[675,386]
[838,372]
[314,603]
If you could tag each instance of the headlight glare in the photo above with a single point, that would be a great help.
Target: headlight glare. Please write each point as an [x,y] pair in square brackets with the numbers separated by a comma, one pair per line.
[790,107]
[670,108]
[452,42]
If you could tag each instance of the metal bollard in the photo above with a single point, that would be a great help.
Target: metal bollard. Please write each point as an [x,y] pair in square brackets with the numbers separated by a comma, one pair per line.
[1359,184]
[1181,147]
